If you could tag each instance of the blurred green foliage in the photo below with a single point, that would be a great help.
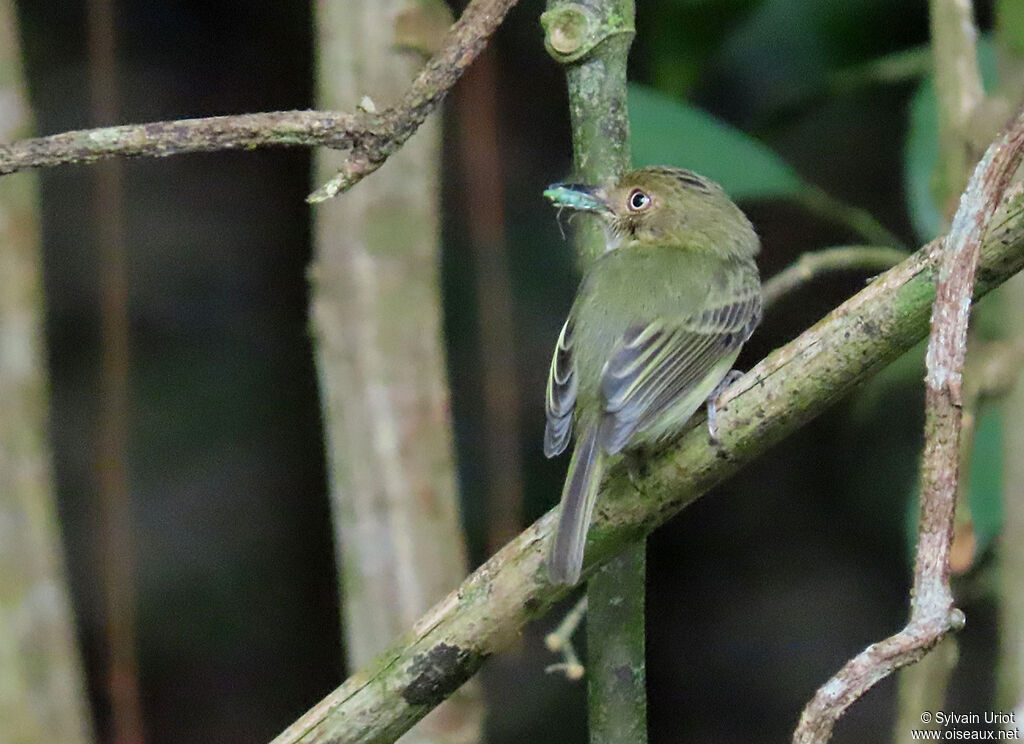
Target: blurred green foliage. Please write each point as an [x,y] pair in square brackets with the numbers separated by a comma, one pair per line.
[985,494]
[671,132]
[921,154]
[1011,25]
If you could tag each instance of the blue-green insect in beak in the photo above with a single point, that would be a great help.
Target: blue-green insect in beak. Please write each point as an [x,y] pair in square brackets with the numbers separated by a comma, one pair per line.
[577,196]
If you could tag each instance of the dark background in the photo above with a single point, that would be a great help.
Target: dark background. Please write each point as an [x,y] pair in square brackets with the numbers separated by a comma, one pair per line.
[757,593]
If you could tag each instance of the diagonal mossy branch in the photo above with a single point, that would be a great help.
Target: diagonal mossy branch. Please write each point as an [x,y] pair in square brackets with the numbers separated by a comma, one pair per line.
[783,392]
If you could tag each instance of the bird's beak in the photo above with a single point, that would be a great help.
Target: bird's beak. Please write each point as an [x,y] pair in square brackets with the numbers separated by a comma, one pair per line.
[578,196]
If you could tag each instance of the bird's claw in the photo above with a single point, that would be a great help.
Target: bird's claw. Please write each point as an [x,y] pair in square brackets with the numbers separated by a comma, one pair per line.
[637,468]
[721,387]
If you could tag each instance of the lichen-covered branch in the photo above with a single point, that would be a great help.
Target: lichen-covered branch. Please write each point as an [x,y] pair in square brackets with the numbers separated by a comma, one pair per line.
[932,614]
[779,395]
[369,135]
[616,649]
[960,97]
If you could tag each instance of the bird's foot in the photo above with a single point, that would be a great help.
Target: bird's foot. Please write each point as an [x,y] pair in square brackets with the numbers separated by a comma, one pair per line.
[637,466]
[721,387]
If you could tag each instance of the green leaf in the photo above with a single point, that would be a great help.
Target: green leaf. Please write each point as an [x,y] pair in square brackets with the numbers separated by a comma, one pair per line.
[920,157]
[985,492]
[984,487]
[670,132]
[1010,25]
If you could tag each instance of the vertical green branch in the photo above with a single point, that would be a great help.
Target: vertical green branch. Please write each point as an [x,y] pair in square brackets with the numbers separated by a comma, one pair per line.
[616,671]
[592,40]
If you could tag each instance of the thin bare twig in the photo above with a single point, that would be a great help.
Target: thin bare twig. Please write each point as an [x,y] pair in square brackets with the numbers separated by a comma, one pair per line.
[960,97]
[560,641]
[370,136]
[859,220]
[868,258]
[932,614]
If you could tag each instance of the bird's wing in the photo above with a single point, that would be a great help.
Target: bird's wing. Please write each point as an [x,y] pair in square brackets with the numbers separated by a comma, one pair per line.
[658,363]
[560,399]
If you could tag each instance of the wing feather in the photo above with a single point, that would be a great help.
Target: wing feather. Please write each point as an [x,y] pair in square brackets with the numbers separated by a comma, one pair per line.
[560,398]
[657,364]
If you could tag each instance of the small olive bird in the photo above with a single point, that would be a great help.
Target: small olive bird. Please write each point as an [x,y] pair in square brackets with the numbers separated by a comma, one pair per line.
[657,323]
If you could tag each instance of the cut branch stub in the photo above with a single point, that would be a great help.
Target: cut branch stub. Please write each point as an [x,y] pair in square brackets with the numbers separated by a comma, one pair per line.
[573,30]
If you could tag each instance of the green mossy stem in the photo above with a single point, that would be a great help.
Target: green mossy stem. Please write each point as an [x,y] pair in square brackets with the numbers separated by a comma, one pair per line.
[597,103]
[573,30]
[592,39]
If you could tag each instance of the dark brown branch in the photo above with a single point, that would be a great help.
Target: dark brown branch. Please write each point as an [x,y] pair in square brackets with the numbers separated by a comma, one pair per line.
[113,508]
[370,136]
[932,614]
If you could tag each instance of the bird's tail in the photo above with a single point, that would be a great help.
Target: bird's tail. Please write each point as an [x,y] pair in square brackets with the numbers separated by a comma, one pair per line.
[578,497]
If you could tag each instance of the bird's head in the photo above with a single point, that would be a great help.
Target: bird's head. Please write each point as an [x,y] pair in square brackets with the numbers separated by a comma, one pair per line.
[662,205]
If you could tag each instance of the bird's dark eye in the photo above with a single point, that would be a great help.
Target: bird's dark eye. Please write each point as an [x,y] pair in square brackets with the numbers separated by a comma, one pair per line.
[638,200]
